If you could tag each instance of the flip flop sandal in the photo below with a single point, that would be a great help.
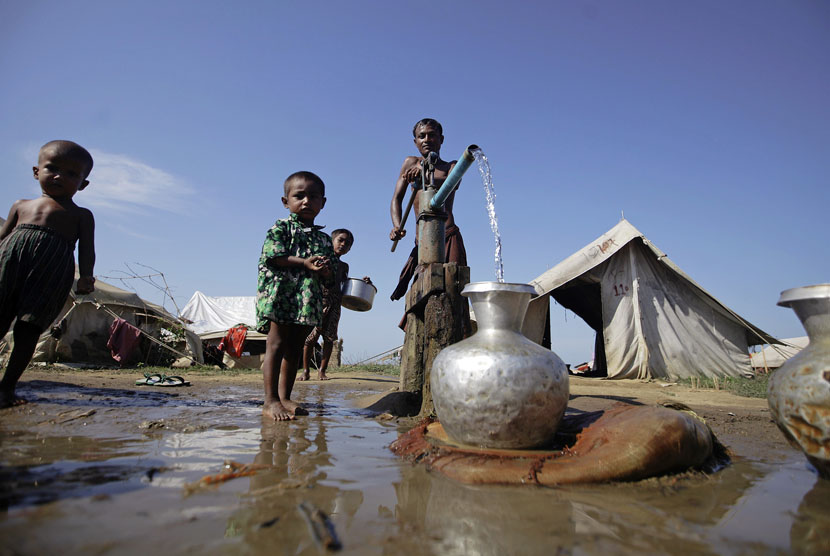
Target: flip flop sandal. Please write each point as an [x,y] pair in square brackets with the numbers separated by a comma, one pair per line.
[149,379]
[172,381]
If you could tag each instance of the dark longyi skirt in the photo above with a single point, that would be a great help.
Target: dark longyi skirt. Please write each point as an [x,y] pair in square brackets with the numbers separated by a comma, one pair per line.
[37,267]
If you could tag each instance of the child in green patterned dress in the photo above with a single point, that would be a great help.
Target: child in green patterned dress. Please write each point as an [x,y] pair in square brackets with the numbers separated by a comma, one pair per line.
[296,257]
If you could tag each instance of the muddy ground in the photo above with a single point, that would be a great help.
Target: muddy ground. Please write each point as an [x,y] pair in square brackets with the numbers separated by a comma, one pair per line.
[96,464]
[741,423]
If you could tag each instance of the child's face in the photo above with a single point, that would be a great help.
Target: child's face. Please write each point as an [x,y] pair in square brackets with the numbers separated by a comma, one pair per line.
[305,199]
[428,139]
[341,244]
[60,175]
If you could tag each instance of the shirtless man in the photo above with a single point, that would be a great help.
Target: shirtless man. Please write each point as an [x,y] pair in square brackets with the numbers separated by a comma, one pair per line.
[429,136]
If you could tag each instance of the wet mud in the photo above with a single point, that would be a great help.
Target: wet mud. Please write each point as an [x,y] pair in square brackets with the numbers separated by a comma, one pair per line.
[97,465]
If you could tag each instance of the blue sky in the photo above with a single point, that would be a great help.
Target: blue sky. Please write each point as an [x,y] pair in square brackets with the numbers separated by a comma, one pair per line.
[706,123]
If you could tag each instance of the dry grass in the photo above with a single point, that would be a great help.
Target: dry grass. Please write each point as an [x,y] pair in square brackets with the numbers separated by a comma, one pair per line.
[747,387]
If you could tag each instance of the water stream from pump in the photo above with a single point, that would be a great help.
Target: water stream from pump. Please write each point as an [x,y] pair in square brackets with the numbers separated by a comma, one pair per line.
[490,193]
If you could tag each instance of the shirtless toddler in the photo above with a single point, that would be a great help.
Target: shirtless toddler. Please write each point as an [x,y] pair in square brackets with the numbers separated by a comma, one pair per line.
[37,260]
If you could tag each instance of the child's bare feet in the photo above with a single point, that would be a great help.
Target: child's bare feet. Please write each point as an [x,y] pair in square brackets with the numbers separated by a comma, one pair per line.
[294,408]
[322,375]
[306,376]
[277,411]
[8,399]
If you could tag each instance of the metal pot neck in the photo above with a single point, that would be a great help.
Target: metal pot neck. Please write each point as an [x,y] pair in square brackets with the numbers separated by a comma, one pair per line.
[812,307]
[499,306]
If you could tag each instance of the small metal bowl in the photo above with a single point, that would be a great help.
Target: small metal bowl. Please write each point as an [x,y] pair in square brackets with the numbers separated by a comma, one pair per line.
[358,295]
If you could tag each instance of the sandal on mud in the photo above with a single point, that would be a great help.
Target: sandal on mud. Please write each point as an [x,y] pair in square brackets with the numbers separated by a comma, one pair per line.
[172,381]
[149,379]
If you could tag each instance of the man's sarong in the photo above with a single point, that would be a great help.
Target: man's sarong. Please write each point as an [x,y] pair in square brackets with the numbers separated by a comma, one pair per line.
[454,252]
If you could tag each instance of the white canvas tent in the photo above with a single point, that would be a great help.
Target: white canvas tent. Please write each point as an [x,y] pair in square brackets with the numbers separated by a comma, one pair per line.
[212,315]
[211,318]
[772,356]
[651,319]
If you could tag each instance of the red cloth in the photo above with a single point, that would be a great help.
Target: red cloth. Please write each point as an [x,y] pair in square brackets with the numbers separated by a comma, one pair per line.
[234,340]
[123,340]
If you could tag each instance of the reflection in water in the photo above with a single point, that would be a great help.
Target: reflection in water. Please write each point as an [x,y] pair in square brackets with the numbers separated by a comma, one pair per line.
[716,514]
[37,469]
[810,533]
[125,495]
[199,453]
[781,488]
[465,519]
[299,461]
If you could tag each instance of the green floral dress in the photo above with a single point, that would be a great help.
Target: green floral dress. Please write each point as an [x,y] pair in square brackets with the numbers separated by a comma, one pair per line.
[291,295]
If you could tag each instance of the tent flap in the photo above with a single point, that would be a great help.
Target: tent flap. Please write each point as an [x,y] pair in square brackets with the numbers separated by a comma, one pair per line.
[656,326]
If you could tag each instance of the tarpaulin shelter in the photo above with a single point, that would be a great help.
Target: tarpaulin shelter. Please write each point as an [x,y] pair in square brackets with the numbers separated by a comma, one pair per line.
[651,319]
[85,322]
[212,317]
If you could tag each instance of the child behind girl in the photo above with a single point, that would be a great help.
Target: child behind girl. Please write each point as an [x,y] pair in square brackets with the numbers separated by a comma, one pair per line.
[342,239]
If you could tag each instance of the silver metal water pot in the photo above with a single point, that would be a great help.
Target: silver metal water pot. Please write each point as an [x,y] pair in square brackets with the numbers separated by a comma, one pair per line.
[497,388]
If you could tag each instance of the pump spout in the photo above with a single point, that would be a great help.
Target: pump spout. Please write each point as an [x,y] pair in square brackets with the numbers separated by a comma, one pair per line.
[452,180]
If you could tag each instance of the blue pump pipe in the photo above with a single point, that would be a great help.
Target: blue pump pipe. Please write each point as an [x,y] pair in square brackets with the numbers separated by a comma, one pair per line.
[452,180]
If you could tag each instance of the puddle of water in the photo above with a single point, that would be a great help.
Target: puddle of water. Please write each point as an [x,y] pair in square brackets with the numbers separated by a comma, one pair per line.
[127,494]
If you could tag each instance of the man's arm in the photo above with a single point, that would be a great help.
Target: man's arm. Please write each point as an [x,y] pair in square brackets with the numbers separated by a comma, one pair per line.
[11,221]
[407,175]
[86,252]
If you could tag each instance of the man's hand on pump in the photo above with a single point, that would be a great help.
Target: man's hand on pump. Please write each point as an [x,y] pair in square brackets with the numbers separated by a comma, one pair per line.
[413,174]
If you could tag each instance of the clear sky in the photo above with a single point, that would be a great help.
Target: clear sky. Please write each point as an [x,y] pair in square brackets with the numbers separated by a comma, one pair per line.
[706,123]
